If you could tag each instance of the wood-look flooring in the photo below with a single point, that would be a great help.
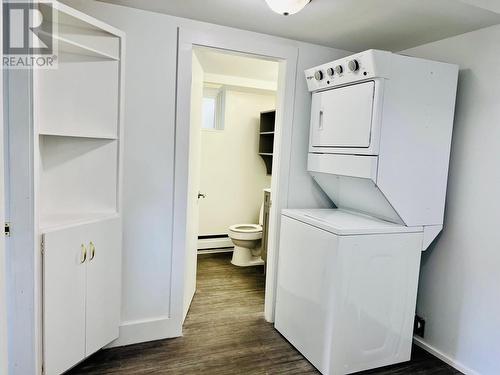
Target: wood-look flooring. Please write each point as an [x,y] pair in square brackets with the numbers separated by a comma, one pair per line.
[225,333]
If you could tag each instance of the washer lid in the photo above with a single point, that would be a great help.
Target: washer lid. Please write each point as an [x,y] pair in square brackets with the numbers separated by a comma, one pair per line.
[345,223]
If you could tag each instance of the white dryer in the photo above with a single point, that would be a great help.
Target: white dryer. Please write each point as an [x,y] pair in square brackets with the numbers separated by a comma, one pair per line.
[380,138]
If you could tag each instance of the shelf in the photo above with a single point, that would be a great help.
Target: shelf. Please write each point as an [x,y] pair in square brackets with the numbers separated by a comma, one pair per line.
[265,154]
[266,144]
[266,133]
[84,136]
[267,121]
[76,44]
[53,222]
[70,46]
[77,175]
[91,111]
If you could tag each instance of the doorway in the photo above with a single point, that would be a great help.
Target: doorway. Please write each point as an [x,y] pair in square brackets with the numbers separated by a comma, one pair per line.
[231,144]
[240,43]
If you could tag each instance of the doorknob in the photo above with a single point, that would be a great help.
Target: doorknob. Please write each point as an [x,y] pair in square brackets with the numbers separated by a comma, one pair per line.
[201,195]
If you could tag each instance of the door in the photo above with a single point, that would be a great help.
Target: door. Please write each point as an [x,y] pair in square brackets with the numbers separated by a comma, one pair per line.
[3,280]
[103,284]
[64,278]
[342,117]
[193,183]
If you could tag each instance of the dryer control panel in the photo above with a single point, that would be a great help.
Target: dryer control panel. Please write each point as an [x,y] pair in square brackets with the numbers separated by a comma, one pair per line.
[362,66]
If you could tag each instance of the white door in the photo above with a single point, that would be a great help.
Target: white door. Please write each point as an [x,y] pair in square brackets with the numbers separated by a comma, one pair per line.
[64,276]
[3,286]
[103,284]
[193,184]
[342,117]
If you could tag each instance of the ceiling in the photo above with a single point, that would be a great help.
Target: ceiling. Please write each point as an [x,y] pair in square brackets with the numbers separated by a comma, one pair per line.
[354,25]
[216,62]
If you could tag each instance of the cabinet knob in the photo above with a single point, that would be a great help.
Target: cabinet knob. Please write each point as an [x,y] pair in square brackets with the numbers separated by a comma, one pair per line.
[92,250]
[83,254]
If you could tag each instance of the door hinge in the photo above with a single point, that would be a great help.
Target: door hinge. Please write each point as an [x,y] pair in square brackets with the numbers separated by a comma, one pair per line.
[7,229]
[43,369]
[42,246]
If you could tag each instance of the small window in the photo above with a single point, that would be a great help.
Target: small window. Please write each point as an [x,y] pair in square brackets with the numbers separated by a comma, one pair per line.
[213,108]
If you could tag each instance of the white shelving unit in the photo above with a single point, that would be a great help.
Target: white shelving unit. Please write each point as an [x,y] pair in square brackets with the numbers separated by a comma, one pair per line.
[77,113]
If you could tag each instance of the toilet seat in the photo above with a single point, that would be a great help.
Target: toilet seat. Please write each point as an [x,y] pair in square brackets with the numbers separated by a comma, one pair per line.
[245,231]
[246,228]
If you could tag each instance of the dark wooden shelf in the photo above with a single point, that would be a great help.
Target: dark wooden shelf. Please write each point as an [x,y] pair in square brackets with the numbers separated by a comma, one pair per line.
[266,138]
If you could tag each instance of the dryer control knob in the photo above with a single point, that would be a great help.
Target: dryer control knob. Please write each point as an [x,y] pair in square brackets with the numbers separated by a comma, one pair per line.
[353,65]
[330,72]
[318,75]
[339,69]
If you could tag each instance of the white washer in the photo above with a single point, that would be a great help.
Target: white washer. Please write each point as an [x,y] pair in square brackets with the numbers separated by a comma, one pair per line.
[347,287]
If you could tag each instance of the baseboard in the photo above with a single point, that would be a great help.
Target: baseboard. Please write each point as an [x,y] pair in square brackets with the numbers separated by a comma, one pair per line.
[443,357]
[215,243]
[216,251]
[138,331]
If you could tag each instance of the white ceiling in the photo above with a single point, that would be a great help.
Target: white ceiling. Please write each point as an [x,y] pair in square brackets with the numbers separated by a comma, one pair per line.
[223,63]
[353,25]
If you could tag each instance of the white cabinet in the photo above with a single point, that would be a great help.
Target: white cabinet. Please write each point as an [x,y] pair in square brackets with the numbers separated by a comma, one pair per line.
[342,117]
[65,150]
[64,284]
[81,289]
[103,284]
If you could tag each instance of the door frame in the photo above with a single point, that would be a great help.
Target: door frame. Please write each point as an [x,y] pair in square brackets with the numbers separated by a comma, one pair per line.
[250,44]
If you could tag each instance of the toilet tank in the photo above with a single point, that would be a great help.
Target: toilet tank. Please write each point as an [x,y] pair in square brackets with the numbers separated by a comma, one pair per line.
[380,135]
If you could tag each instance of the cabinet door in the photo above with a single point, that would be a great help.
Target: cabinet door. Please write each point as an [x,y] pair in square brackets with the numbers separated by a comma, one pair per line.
[64,272]
[103,284]
[342,117]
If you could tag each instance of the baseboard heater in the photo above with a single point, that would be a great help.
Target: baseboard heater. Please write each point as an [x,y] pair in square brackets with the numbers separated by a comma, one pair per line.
[216,243]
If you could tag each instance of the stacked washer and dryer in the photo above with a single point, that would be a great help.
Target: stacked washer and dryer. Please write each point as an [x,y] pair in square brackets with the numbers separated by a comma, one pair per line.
[381,128]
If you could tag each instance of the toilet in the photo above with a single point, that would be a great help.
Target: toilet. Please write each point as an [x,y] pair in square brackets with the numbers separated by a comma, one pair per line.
[247,240]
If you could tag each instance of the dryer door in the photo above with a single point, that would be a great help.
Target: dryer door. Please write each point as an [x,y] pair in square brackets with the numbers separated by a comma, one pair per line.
[342,117]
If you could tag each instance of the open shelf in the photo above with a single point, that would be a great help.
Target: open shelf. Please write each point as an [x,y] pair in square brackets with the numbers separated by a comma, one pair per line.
[80,98]
[73,135]
[78,175]
[76,33]
[70,46]
[266,144]
[52,222]
[266,138]
[267,121]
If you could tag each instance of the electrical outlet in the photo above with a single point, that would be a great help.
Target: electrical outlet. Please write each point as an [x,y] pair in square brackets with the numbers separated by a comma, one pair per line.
[419,326]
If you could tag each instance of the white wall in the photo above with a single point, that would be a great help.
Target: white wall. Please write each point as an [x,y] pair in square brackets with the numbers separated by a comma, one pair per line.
[149,156]
[233,175]
[459,291]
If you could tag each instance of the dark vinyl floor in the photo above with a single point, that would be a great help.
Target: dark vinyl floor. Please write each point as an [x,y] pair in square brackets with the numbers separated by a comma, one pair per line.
[225,333]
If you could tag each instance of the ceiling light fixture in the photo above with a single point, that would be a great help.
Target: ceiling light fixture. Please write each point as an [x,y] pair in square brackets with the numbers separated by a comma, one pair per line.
[287,7]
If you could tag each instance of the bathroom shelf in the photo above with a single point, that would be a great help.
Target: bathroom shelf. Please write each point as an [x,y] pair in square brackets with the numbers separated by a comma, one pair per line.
[266,138]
